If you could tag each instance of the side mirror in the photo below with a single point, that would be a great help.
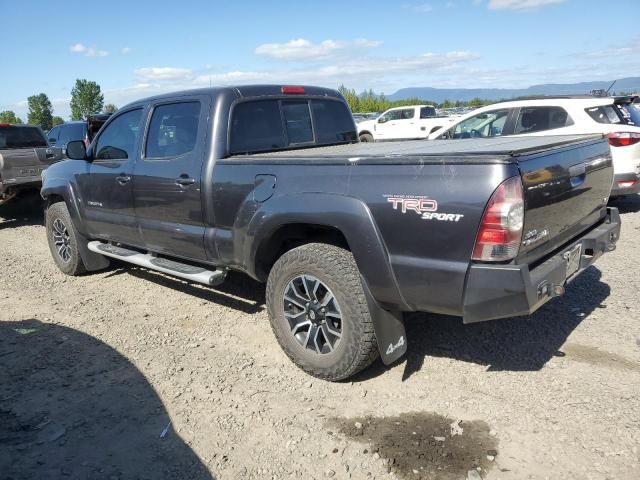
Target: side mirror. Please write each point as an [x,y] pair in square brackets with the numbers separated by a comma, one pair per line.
[382,120]
[77,150]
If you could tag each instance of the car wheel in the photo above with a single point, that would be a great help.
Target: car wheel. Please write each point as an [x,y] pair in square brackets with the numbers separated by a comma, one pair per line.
[63,240]
[366,137]
[319,313]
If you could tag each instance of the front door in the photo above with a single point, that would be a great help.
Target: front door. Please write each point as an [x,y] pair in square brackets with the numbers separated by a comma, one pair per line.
[167,178]
[106,193]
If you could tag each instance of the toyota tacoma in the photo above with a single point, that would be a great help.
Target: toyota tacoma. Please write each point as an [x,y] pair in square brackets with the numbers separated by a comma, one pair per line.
[272,181]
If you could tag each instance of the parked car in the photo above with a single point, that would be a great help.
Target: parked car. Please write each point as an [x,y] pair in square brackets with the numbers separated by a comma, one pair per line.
[613,116]
[24,154]
[85,130]
[402,123]
[272,181]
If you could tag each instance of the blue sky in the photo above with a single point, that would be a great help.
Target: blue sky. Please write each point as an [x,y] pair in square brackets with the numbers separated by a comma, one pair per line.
[137,48]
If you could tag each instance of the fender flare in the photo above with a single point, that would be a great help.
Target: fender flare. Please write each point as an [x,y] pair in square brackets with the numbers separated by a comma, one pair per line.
[59,187]
[348,215]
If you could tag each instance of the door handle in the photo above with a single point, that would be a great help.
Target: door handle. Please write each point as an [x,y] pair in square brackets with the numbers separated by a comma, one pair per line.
[123,179]
[185,181]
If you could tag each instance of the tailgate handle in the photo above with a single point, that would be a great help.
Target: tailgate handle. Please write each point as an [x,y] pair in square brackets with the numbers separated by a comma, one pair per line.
[577,174]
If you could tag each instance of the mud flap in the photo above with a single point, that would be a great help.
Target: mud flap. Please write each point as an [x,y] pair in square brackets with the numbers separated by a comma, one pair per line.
[92,261]
[389,329]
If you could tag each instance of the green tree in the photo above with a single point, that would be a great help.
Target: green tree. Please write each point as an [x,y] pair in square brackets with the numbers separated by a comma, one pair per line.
[86,99]
[40,111]
[110,108]
[57,121]
[9,116]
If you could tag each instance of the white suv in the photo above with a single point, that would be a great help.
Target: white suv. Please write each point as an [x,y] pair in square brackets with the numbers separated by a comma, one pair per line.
[616,117]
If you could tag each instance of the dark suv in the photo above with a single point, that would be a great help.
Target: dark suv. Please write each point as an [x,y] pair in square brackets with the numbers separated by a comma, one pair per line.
[61,135]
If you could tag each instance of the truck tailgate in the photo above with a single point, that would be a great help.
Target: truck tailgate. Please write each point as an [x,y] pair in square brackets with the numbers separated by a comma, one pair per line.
[26,162]
[566,192]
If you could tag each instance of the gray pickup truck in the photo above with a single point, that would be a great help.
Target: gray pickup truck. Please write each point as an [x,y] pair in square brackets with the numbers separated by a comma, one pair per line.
[271,181]
[24,154]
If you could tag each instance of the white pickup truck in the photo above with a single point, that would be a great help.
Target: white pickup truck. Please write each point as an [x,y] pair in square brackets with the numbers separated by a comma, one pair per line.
[402,123]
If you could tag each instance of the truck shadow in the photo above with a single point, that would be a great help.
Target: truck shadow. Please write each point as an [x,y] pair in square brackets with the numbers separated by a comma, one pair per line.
[73,407]
[238,291]
[24,210]
[515,344]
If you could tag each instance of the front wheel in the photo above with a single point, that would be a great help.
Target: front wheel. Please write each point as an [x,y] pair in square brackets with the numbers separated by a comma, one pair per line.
[63,240]
[319,313]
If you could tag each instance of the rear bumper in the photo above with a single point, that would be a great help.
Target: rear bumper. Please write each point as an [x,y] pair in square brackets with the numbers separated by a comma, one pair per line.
[33,181]
[499,291]
[625,184]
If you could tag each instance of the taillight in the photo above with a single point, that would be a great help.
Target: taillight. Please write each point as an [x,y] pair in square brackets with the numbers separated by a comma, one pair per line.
[501,227]
[623,139]
[288,90]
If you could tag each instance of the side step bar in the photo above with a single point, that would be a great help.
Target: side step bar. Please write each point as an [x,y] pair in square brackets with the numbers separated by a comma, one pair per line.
[172,267]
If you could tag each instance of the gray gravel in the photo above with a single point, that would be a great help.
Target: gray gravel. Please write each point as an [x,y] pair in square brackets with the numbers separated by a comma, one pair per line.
[128,373]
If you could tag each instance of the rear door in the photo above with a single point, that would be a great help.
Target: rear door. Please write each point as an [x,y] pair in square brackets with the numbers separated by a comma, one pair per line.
[167,178]
[106,188]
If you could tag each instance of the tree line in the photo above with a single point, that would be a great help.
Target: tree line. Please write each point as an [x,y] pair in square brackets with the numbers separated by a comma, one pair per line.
[368,101]
[86,100]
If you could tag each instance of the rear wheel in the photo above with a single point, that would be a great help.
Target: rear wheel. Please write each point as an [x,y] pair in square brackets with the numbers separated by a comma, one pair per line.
[63,240]
[366,137]
[319,313]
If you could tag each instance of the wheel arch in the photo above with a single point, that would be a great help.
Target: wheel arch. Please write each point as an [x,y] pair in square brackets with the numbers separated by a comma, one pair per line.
[288,221]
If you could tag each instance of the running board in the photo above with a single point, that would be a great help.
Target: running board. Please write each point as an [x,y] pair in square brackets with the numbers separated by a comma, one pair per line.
[172,267]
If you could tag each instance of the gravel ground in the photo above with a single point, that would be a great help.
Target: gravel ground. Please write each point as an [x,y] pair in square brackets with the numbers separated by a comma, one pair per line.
[129,373]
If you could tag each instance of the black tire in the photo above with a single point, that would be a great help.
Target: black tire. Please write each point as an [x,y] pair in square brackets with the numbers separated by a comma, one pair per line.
[366,137]
[336,269]
[58,218]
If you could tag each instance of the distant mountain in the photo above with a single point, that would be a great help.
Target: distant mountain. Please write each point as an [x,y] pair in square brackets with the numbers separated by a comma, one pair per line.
[631,84]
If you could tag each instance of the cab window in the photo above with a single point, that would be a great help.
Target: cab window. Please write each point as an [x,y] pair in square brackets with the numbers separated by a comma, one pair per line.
[173,130]
[487,124]
[119,138]
[539,119]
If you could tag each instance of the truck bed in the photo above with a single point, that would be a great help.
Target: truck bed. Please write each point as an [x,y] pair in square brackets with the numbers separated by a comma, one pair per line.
[500,149]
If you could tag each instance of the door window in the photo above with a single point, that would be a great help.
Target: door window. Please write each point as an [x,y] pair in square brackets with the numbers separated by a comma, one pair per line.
[539,119]
[173,130]
[487,124]
[118,140]
[400,114]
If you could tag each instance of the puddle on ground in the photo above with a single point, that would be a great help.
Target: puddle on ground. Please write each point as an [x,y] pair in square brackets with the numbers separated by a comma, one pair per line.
[423,445]
[595,356]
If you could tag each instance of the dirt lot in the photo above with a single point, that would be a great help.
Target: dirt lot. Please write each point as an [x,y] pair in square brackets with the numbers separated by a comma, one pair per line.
[132,374]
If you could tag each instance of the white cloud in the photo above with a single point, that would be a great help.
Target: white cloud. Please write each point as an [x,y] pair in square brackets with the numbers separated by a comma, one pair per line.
[125,50]
[163,74]
[302,49]
[419,7]
[87,51]
[520,4]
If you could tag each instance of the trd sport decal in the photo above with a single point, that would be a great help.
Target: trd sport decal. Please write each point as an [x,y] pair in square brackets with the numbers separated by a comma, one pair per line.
[427,208]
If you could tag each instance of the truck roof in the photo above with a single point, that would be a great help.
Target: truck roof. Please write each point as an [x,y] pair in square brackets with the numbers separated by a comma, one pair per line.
[499,148]
[247,91]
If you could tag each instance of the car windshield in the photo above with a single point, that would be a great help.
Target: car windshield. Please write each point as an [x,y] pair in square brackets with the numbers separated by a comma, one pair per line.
[21,137]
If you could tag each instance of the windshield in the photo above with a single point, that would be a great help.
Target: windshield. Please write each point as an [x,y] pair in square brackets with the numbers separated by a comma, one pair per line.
[21,137]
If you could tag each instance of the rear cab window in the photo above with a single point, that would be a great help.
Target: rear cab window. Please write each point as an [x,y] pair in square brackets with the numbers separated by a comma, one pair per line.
[21,137]
[427,112]
[631,113]
[271,125]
